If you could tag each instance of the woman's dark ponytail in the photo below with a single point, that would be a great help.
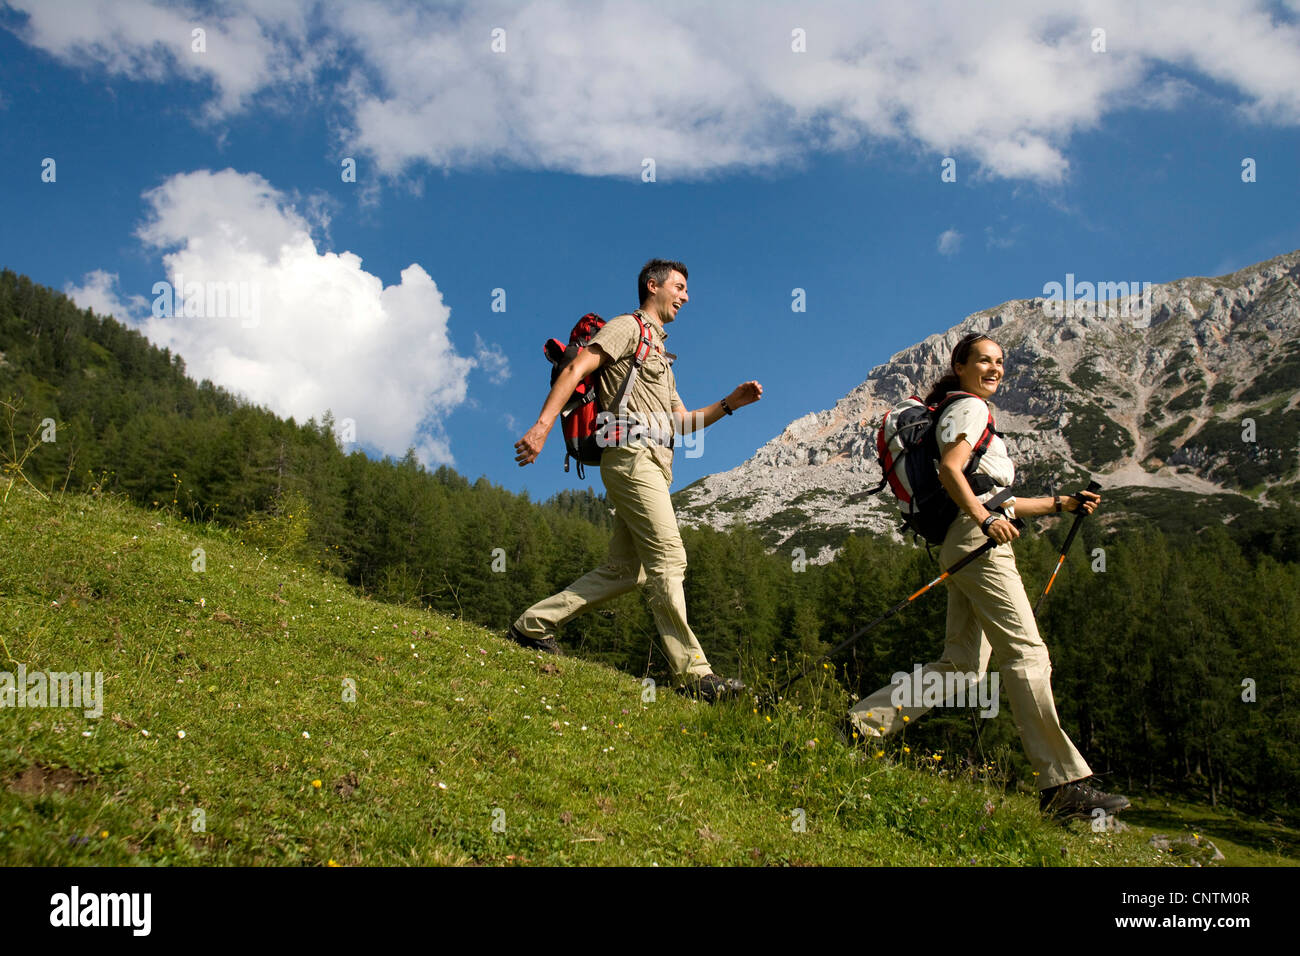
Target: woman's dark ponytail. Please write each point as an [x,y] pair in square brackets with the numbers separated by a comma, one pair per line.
[950,382]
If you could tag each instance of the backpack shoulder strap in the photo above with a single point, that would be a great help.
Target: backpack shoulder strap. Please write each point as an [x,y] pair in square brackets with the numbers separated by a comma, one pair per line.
[981,444]
[639,355]
[952,397]
[990,429]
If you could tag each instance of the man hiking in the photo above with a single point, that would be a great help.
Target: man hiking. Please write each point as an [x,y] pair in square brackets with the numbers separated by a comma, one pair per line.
[646,547]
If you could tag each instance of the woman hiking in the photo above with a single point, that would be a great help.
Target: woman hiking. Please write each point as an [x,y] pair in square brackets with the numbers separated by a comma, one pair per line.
[988,610]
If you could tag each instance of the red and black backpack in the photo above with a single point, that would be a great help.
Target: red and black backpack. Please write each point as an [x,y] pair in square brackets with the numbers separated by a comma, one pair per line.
[908,450]
[588,432]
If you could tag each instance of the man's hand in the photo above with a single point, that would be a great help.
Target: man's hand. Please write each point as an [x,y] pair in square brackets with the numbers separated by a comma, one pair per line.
[530,446]
[744,394]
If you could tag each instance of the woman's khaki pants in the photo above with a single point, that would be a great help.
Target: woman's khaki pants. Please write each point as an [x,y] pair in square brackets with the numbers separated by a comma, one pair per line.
[988,612]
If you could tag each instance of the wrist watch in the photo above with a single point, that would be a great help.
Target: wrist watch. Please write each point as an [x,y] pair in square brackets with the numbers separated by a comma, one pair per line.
[988,522]
[725,407]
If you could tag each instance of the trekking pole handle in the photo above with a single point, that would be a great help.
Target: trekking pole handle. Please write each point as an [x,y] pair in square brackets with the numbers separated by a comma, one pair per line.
[1079,515]
[1093,487]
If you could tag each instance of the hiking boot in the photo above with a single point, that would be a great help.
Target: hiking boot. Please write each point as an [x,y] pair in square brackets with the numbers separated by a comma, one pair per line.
[711,688]
[1078,800]
[547,645]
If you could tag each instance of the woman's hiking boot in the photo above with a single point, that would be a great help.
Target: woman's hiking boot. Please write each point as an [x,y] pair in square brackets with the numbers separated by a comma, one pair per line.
[1078,800]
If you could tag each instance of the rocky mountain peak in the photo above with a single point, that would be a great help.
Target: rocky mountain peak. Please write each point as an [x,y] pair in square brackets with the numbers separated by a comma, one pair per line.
[1142,386]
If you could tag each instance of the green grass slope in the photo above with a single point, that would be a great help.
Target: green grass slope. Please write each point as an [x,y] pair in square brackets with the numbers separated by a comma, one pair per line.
[231,734]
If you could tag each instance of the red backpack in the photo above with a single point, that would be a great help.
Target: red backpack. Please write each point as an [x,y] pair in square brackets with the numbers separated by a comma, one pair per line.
[586,433]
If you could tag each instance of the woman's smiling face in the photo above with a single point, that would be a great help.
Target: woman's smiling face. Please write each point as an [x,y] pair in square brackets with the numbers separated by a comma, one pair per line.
[982,370]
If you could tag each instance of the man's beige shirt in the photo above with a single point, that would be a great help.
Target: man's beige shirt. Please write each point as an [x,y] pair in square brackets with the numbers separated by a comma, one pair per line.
[653,398]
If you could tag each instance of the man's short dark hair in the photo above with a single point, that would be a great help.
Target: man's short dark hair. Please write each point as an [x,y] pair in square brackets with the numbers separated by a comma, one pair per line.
[659,270]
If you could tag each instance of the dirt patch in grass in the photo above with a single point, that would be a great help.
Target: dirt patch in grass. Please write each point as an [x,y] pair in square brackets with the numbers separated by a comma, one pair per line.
[38,780]
[346,786]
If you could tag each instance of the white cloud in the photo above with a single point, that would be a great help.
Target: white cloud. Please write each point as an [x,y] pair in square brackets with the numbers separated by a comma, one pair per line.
[949,242]
[702,88]
[249,48]
[98,292]
[326,334]
[491,360]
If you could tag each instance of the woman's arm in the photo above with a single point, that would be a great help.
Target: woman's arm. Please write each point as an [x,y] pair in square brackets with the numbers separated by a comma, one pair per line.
[951,462]
[954,459]
[1032,507]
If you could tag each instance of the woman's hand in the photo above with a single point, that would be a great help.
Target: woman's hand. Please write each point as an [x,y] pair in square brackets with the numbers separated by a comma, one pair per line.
[1003,531]
[1089,503]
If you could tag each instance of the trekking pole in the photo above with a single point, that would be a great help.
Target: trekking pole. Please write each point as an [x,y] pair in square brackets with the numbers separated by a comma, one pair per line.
[1069,539]
[957,566]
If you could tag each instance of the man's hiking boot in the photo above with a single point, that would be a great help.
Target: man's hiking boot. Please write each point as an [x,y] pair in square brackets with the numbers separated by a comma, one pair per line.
[547,645]
[711,688]
[1078,800]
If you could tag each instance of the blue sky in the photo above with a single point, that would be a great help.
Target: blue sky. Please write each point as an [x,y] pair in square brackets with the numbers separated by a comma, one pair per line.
[521,169]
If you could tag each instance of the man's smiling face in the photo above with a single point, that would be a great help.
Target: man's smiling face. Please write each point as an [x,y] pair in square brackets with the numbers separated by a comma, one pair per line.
[668,298]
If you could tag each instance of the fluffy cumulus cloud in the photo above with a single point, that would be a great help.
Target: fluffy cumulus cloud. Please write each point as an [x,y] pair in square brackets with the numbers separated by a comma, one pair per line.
[251,303]
[703,88]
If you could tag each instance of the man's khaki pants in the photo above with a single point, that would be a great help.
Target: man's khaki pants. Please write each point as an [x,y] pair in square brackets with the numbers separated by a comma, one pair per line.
[988,611]
[646,549]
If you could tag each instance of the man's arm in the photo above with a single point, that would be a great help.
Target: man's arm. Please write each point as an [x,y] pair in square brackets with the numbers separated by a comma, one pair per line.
[530,446]
[744,394]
